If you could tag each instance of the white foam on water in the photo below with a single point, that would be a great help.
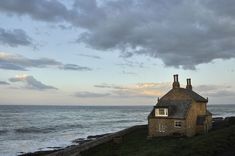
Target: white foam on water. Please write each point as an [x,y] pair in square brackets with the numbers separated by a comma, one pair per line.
[33,128]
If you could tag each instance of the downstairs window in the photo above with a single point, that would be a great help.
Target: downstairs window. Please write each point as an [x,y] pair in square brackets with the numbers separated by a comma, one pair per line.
[178,124]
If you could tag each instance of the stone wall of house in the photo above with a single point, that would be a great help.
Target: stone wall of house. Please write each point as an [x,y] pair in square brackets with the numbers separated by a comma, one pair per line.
[191,120]
[201,129]
[165,126]
[152,127]
[195,110]
[209,121]
[189,126]
[201,108]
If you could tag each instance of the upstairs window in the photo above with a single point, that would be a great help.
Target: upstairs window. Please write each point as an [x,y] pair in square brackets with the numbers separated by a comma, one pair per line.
[178,124]
[161,112]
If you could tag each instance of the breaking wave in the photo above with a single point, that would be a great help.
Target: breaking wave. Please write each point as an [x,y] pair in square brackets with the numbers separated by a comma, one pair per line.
[47,129]
[34,130]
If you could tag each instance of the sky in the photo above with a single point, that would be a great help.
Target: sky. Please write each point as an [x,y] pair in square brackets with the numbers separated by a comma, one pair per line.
[115,52]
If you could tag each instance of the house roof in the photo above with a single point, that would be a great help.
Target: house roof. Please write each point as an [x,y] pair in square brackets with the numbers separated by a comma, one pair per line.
[193,95]
[178,100]
[176,108]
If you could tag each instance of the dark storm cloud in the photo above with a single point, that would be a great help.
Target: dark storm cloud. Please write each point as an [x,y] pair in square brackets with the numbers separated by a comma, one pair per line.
[18,62]
[221,8]
[182,33]
[31,83]
[185,33]
[44,10]
[14,38]
[11,66]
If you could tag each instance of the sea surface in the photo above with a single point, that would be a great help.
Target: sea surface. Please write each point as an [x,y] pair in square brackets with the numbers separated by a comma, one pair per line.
[32,128]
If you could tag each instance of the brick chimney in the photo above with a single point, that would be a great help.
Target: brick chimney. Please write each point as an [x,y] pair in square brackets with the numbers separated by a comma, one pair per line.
[176,83]
[189,86]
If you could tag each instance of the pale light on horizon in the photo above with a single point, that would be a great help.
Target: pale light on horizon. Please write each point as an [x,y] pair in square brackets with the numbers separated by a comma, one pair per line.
[97,53]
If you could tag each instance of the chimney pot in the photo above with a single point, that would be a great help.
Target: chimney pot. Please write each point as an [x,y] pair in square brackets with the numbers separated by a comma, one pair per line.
[176,83]
[189,85]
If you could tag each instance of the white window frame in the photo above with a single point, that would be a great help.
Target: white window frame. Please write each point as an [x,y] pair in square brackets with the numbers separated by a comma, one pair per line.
[178,124]
[157,112]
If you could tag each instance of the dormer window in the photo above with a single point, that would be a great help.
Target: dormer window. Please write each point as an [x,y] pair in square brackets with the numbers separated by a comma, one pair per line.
[161,112]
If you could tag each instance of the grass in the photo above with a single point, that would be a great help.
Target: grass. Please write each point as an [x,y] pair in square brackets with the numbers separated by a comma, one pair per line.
[218,142]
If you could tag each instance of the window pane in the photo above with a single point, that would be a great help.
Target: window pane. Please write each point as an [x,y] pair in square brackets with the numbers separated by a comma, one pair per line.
[161,111]
[178,123]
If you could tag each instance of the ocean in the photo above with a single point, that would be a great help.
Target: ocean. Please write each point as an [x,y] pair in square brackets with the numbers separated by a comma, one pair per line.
[31,128]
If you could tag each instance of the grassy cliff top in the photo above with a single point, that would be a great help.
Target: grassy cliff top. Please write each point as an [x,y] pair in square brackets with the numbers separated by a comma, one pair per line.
[220,142]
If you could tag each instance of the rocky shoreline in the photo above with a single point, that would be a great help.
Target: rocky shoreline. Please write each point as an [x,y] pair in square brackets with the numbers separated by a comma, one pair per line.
[218,123]
[76,142]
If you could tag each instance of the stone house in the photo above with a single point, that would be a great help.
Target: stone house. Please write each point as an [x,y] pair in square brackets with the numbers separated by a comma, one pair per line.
[181,111]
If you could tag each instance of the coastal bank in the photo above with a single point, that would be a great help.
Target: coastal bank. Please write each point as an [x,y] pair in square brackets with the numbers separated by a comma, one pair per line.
[133,141]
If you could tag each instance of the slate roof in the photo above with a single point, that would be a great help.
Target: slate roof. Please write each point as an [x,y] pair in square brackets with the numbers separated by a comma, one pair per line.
[176,108]
[196,97]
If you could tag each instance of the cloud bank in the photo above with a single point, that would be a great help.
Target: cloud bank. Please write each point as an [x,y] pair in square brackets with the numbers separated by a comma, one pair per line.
[90,94]
[152,90]
[216,91]
[31,82]
[4,83]
[139,90]
[44,10]
[18,62]
[14,38]
[182,33]
[74,67]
